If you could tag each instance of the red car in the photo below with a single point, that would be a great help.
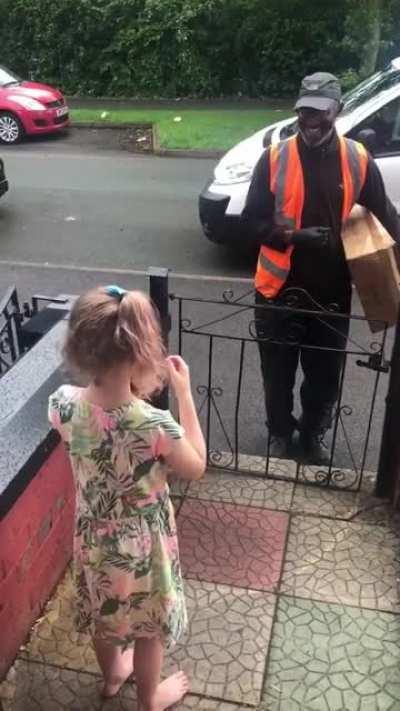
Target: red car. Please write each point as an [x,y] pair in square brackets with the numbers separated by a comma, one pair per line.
[29,108]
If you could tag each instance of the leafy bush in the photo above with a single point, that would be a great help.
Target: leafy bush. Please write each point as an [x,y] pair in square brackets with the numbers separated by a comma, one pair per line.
[185,47]
[349,79]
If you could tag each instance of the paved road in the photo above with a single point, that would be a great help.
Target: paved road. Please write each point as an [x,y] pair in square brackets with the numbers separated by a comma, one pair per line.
[106,209]
[131,212]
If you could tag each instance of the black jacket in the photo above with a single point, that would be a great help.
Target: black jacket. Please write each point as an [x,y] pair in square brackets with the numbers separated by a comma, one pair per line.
[322,272]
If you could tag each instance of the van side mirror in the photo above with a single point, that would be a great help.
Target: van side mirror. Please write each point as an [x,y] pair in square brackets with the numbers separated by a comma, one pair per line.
[368,138]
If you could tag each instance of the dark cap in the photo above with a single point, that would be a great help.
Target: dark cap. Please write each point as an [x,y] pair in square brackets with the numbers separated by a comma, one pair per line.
[319,91]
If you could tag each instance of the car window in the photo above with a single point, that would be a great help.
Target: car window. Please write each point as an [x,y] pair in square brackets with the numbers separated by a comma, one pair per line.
[386,124]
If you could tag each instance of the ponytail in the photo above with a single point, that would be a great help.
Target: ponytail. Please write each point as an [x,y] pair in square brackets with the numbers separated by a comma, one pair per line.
[108,328]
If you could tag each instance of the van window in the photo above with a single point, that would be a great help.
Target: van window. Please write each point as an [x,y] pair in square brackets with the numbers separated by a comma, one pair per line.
[386,124]
[381,81]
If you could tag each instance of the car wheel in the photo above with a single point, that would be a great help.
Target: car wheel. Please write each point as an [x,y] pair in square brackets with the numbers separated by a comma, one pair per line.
[11,129]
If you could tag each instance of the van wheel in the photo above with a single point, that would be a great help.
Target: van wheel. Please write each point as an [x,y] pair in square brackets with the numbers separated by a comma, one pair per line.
[11,130]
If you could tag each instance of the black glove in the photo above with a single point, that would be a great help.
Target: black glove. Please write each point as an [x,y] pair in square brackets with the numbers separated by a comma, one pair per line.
[311,237]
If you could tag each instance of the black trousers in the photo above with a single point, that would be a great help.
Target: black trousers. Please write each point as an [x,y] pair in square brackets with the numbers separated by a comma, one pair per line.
[279,362]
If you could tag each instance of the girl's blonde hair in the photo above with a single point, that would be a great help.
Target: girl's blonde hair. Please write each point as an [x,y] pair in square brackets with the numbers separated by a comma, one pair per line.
[105,331]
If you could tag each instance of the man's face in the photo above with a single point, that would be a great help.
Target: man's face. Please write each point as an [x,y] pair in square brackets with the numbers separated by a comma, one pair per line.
[316,126]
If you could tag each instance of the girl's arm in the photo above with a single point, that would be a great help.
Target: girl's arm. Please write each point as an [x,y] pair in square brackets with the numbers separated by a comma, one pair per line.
[187,456]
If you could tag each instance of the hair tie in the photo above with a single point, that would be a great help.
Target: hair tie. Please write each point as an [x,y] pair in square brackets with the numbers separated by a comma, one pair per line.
[116,291]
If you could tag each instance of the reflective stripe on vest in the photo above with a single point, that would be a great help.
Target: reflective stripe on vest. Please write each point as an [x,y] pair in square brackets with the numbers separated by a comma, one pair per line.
[287,185]
[354,161]
[271,266]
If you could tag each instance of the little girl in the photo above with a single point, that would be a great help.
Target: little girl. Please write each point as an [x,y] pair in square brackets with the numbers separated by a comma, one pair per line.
[129,585]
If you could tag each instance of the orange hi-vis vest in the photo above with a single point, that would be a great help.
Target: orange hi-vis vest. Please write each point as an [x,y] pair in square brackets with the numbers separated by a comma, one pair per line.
[287,184]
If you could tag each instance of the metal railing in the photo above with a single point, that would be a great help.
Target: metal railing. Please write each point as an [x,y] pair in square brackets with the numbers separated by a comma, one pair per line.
[220,340]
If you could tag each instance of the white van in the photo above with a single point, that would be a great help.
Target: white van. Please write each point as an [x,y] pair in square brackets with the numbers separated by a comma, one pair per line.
[374,105]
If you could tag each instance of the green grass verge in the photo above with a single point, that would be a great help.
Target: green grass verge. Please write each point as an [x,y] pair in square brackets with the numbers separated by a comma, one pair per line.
[197,130]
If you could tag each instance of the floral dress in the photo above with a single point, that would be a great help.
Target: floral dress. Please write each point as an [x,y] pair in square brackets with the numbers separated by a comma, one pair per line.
[126,555]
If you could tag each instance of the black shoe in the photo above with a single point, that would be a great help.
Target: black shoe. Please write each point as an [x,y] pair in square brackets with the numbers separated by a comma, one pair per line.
[313,449]
[281,447]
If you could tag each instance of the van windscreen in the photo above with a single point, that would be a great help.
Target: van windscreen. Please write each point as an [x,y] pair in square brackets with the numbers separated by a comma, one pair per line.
[371,87]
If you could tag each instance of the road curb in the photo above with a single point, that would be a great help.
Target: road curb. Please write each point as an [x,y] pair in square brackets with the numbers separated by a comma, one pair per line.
[186,153]
[127,135]
[137,138]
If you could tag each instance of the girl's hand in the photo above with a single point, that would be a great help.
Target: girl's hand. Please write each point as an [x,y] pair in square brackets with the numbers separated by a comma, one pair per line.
[179,375]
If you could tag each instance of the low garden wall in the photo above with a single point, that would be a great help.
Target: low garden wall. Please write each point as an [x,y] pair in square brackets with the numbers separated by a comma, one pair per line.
[36,494]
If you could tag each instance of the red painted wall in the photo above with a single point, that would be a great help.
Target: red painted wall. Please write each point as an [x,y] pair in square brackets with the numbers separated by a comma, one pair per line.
[35,547]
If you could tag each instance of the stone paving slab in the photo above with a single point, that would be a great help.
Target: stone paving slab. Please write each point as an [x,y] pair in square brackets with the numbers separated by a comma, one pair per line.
[235,545]
[34,686]
[337,561]
[326,657]
[380,514]
[238,489]
[228,637]
[321,501]
[54,639]
[223,651]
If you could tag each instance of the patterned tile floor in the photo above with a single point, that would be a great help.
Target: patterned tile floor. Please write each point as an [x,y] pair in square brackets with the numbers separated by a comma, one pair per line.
[228,543]
[293,599]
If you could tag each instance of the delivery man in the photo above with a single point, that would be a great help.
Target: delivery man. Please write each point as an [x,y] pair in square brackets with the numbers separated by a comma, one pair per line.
[301,193]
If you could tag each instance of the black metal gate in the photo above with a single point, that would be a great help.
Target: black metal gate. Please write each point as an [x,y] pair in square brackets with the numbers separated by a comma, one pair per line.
[11,347]
[22,327]
[219,340]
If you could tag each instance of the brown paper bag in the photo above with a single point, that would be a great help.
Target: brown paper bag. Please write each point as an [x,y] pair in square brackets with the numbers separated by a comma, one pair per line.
[370,254]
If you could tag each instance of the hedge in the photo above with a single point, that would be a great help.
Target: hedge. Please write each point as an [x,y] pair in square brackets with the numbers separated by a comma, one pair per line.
[176,48]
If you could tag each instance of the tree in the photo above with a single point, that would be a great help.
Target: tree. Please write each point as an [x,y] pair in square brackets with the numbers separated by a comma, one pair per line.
[374,11]
[370,29]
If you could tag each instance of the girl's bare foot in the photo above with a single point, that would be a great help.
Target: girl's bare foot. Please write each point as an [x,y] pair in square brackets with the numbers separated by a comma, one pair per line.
[170,691]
